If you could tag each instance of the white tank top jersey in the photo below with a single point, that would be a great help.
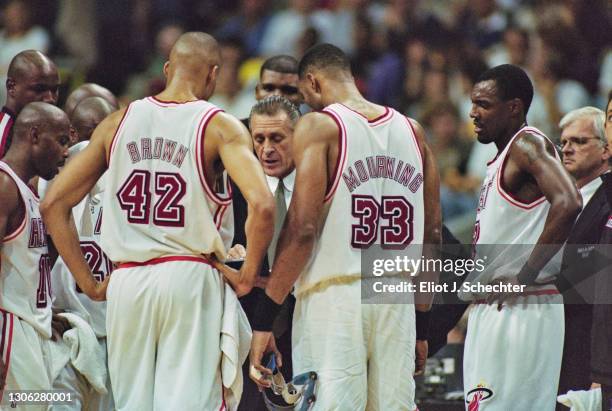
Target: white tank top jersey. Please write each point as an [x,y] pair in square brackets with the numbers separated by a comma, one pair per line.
[510,225]
[25,272]
[88,219]
[157,202]
[376,195]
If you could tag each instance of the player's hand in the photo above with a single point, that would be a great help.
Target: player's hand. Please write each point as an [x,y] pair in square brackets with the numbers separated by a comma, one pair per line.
[421,350]
[59,325]
[509,298]
[261,344]
[232,275]
[237,252]
[97,290]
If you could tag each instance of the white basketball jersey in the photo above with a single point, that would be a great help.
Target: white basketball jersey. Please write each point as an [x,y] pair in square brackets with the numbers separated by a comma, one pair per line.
[157,201]
[88,219]
[25,283]
[376,196]
[510,225]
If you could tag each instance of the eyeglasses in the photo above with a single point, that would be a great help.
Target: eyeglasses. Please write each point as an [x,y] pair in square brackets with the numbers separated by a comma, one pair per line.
[576,142]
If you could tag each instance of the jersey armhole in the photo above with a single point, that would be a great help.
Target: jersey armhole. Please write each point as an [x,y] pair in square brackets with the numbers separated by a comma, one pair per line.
[332,183]
[200,136]
[15,233]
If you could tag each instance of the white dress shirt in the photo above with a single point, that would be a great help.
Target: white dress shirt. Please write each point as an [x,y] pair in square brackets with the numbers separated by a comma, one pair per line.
[288,183]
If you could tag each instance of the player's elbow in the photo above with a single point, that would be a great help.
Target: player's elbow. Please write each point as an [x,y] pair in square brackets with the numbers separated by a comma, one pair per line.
[263,208]
[48,205]
[304,233]
[568,205]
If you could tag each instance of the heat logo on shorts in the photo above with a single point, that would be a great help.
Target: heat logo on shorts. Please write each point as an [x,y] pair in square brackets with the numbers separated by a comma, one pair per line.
[476,396]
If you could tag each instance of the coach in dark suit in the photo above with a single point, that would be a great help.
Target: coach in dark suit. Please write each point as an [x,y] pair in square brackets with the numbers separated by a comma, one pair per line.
[585,156]
[601,342]
[278,77]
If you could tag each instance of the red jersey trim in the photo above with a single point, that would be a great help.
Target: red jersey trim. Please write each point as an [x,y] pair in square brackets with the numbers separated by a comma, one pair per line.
[6,124]
[342,154]
[508,196]
[200,158]
[161,260]
[117,133]
[164,103]
[416,142]
[22,225]
[376,120]
[8,342]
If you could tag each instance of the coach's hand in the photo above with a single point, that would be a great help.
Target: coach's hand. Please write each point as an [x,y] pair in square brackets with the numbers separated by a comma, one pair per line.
[261,344]
[421,349]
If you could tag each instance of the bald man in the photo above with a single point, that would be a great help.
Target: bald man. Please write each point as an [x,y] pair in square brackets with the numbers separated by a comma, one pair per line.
[87,216]
[89,90]
[32,76]
[40,146]
[166,207]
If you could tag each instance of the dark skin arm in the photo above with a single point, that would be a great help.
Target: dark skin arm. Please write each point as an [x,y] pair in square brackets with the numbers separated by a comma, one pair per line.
[315,141]
[533,156]
[432,236]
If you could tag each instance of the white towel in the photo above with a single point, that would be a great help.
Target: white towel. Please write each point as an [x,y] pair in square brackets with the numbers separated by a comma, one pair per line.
[235,345]
[86,353]
[582,400]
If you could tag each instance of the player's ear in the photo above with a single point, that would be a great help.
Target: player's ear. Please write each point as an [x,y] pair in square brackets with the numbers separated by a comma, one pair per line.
[10,86]
[166,65]
[212,74]
[516,106]
[34,135]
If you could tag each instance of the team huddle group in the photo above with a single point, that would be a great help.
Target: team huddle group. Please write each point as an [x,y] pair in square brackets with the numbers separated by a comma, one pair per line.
[169,192]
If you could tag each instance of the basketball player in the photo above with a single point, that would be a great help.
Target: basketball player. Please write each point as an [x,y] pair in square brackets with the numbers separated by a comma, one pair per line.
[40,146]
[68,297]
[165,206]
[89,90]
[513,351]
[364,354]
[32,76]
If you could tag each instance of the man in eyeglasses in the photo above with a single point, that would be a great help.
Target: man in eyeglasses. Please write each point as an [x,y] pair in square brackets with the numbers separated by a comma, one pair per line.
[585,154]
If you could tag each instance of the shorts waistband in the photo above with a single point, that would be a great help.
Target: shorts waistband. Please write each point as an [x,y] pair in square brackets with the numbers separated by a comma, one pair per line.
[165,260]
[545,291]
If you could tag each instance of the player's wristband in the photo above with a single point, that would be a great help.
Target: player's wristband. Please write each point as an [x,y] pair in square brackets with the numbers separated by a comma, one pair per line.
[422,324]
[265,313]
[527,275]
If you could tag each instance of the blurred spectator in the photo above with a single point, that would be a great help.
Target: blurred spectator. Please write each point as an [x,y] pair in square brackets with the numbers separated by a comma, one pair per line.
[76,29]
[554,94]
[287,27]
[151,81]
[513,50]
[457,188]
[364,53]
[229,92]
[482,23]
[249,25]
[17,35]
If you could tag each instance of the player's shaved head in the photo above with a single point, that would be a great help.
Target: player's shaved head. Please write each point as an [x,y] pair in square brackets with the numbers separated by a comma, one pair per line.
[38,114]
[193,49]
[88,114]
[89,90]
[26,61]
[31,76]
[41,132]
[194,62]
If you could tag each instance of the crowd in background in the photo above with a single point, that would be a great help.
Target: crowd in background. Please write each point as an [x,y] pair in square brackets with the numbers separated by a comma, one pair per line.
[419,57]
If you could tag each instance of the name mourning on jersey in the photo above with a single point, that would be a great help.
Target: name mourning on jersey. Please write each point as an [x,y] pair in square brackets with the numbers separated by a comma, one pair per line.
[382,167]
[158,149]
